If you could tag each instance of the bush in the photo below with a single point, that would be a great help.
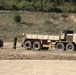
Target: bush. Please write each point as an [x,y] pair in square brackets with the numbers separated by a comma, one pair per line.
[8,7]
[1,7]
[25,5]
[17,17]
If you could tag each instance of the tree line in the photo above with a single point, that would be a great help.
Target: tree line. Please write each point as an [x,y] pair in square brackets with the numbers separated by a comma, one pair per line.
[39,5]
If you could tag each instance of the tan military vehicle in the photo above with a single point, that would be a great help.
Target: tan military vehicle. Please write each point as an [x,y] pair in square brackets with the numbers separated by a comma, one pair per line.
[64,41]
[1,41]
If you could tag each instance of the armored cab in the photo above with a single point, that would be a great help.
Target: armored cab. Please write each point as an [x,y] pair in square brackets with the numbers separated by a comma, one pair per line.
[67,41]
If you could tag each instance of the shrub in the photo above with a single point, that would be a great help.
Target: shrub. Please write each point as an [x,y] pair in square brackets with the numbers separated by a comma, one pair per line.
[8,7]
[1,7]
[17,17]
[25,5]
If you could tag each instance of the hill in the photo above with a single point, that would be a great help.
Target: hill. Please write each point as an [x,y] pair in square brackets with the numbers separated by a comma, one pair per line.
[36,23]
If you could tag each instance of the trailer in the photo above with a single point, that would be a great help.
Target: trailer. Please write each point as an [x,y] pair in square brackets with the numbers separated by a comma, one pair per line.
[65,41]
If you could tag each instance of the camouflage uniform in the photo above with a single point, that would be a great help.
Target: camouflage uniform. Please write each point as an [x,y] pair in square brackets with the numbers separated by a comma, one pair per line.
[23,39]
[15,42]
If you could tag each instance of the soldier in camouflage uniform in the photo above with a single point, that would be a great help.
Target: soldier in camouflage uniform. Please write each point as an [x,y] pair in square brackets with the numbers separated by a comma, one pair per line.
[23,39]
[15,42]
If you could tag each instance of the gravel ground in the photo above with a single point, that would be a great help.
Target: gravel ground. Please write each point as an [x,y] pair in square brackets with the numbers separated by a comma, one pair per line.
[37,67]
[26,62]
[20,53]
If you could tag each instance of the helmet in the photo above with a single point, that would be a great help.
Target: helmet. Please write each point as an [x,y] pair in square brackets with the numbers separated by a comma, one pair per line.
[15,35]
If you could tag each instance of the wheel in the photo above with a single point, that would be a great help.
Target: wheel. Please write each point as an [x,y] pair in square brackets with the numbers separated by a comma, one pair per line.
[60,46]
[70,47]
[28,45]
[36,45]
[1,43]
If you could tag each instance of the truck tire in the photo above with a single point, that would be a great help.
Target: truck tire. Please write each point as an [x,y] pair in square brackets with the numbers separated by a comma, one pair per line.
[60,46]
[1,43]
[28,45]
[37,45]
[70,47]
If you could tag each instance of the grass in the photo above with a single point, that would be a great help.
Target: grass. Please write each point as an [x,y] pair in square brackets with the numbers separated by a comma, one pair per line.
[34,23]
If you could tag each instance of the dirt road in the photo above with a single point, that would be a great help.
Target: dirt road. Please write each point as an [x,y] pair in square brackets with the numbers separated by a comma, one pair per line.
[26,62]
[37,67]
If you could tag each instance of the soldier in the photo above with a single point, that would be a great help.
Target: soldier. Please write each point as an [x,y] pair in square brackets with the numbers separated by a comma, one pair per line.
[15,42]
[23,39]
[1,37]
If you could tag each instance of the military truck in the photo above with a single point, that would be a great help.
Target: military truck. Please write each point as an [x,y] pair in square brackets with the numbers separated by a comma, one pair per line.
[1,41]
[65,41]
